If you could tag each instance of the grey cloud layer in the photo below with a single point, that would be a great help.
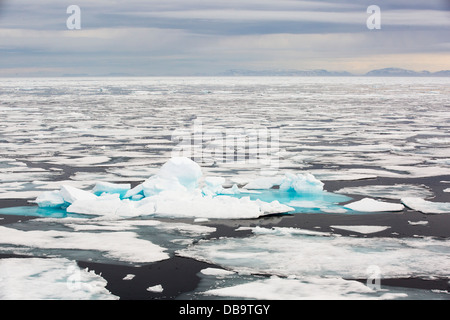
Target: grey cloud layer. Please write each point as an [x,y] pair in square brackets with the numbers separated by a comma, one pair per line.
[164,35]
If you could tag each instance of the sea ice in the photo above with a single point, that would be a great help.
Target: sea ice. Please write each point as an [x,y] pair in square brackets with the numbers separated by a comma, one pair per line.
[371,205]
[301,183]
[425,206]
[418,223]
[264,183]
[179,173]
[309,288]
[121,245]
[362,229]
[50,199]
[157,288]
[173,191]
[216,272]
[49,279]
[395,192]
[71,194]
[287,252]
[101,187]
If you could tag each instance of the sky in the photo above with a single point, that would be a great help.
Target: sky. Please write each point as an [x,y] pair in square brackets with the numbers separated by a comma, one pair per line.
[208,37]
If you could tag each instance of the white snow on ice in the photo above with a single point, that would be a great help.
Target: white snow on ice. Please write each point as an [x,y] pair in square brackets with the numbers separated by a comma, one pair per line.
[49,279]
[287,252]
[310,288]
[120,245]
[362,229]
[372,205]
[156,288]
[425,206]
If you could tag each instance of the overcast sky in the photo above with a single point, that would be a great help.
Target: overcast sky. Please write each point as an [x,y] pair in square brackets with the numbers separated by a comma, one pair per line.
[188,37]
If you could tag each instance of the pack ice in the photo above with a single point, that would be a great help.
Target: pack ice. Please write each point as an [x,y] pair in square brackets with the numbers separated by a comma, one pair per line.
[173,191]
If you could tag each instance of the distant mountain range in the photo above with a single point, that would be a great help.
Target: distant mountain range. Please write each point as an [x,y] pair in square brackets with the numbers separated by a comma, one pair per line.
[386,72]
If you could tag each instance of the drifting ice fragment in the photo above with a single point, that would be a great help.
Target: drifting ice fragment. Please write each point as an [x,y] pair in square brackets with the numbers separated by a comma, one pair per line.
[157,289]
[424,206]
[264,183]
[371,205]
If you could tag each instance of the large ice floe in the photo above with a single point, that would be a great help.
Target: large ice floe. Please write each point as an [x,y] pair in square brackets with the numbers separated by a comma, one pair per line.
[173,191]
[179,189]
[289,252]
[49,279]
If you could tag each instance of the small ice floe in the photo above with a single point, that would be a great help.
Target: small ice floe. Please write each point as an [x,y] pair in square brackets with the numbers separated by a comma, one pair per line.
[427,207]
[362,229]
[129,277]
[371,205]
[157,288]
[216,272]
[418,223]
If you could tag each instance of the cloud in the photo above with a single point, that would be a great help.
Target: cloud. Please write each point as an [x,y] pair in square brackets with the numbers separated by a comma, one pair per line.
[178,36]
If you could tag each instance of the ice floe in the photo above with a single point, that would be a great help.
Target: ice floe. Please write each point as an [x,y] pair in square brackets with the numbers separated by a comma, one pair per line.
[156,288]
[372,205]
[287,252]
[362,229]
[215,272]
[395,192]
[309,288]
[121,245]
[49,279]
[174,191]
[418,223]
[425,206]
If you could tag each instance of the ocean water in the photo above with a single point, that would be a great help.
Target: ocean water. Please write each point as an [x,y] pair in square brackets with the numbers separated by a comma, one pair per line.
[385,139]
